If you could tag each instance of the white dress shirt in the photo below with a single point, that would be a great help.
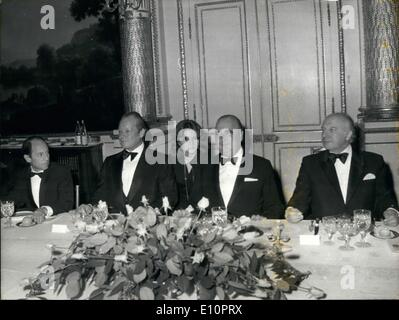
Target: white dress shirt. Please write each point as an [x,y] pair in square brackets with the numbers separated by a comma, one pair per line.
[343,170]
[35,183]
[228,175]
[129,168]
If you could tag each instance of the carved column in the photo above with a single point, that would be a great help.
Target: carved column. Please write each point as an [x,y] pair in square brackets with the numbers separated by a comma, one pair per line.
[381,34]
[137,56]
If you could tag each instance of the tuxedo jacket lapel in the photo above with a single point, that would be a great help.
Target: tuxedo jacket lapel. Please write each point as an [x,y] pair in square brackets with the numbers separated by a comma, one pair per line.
[329,170]
[117,173]
[138,178]
[355,175]
[237,184]
[43,188]
[219,192]
[29,188]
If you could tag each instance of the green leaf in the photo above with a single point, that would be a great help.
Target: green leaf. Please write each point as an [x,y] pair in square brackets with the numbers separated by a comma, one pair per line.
[210,236]
[152,244]
[161,231]
[150,219]
[206,294]
[73,276]
[72,289]
[117,286]
[96,240]
[146,293]
[218,247]
[107,246]
[100,279]
[118,249]
[238,285]
[220,293]
[140,266]
[137,278]
[282,285]
[117,230]
[97,294]
[174,266]
[253,265]
[222,258]
[94,263]
[207,282]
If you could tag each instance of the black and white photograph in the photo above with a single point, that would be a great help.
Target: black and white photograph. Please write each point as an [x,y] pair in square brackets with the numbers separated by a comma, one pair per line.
[204,150]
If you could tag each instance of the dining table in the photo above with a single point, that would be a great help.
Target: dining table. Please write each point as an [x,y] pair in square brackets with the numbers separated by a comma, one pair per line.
[363,273]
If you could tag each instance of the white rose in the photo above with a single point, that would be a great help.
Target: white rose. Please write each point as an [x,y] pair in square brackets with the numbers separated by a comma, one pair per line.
[190,208]
[244,220]
[203,204]
[121,258]
[144,200]
[92,228]
[165,204]
[129,209]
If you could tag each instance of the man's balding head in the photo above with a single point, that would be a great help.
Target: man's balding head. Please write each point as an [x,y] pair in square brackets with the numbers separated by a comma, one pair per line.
[338,132]
[229,121]
[230,130]
[132,129]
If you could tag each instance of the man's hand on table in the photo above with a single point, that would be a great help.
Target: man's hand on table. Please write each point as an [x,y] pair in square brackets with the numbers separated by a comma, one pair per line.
[40,214]
[293,215]
[391,217]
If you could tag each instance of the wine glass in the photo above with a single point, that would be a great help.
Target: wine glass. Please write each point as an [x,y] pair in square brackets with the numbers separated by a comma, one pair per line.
[362,218]
[330,226]
[348,229]
[7,210]
[219,215]
[340,219]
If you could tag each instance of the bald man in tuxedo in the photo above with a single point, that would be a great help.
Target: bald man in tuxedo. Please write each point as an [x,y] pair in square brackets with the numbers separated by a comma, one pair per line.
[228,184]
[340,179]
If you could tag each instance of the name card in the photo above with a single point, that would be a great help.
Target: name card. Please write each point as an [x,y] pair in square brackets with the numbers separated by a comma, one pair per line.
[59,228]
[393,245]
[309,240]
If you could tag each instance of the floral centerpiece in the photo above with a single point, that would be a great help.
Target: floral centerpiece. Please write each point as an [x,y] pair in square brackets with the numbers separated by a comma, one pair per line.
[147,255]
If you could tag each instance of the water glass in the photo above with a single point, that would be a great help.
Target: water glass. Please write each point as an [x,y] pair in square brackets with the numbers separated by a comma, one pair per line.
[362,218]
[330,226]
[7,210]
[348,229]
[219,215]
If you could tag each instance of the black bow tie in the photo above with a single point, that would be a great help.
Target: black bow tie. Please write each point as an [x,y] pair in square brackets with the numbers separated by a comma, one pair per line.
[126,154]
[233,160]
[40,174]
[342,156]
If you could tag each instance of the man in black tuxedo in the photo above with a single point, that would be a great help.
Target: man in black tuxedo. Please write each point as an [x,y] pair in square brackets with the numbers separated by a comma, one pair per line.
[44,187]
[340,180]
[127,176]
[228,185]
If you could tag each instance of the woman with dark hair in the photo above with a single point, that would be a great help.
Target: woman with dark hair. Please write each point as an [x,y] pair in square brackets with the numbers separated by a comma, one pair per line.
[187,167]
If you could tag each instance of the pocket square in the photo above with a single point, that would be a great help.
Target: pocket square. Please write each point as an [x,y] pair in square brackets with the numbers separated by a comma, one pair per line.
[369,176]
[250,179]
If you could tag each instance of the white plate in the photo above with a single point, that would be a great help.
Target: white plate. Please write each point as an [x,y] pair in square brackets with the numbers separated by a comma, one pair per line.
[20,215]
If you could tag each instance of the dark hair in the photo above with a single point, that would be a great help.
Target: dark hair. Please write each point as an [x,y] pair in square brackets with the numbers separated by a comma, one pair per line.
[27,144]
[189,124]
[140,122]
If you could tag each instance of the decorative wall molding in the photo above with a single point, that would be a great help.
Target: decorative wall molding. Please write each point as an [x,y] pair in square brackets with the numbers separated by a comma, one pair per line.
[182,61]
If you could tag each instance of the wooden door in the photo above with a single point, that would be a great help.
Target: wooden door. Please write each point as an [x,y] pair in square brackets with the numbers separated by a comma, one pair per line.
[274,64]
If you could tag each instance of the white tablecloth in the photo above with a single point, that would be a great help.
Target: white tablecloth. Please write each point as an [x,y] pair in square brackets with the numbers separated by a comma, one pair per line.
[365,273]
